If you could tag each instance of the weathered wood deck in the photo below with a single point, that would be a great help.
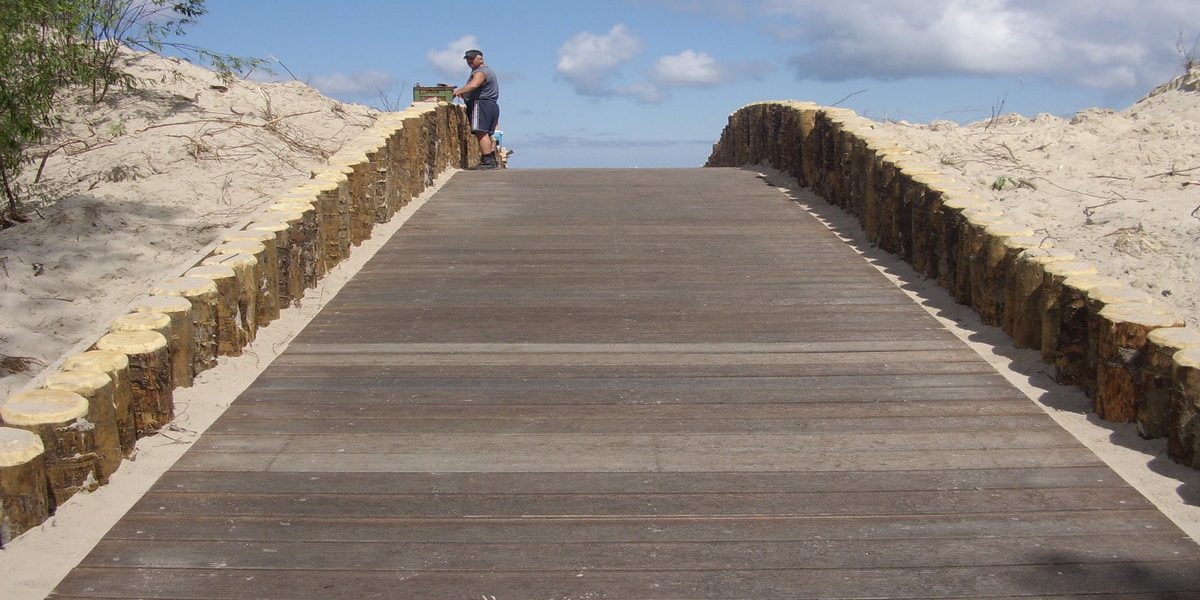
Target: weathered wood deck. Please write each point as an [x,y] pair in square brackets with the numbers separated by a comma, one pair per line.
[632,384]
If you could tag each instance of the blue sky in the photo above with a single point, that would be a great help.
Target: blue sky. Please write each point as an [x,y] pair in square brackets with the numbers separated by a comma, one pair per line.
[650,83]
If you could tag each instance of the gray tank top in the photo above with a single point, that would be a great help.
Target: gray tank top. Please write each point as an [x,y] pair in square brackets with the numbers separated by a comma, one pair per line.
[490,90]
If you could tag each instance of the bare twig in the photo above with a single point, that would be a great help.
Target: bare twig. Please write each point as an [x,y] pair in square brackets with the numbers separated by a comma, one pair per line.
[46,156]
[1010,152]
[1082,193]
[1173,172]
[996,112]
[1091,210]
[285,68]
[272,122]
[849,96]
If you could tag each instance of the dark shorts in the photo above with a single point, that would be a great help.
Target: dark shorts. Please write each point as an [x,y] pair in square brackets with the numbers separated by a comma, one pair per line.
[484,115]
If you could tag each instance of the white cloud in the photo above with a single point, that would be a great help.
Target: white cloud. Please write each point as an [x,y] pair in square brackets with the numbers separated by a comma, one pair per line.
[592,64]
[688,68]
[449,60]
[588,61]
[1111,44]
[358,83]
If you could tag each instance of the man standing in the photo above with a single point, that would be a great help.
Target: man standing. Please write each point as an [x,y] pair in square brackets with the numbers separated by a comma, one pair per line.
[481,93]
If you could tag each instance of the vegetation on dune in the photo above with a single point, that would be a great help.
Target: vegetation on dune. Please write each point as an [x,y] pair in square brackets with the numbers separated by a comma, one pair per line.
[49,46]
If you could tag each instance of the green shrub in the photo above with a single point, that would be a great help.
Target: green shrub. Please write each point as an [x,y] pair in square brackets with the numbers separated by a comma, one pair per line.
[38,58]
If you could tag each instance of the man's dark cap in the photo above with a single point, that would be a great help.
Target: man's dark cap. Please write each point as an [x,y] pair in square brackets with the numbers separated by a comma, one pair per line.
[472,54]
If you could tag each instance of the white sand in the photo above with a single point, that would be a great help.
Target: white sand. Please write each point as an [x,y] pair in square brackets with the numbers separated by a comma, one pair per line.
[146,181]
[1118,189]
[162,171]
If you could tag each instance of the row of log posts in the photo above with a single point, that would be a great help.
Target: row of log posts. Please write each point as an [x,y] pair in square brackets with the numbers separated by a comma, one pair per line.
[73,434]
[1128,351]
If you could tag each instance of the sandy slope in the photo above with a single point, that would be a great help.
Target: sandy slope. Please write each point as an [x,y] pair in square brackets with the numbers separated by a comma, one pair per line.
[141,184]
[1118,189]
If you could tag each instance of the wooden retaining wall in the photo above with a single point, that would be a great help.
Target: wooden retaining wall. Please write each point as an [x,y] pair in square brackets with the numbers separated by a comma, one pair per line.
[1131,353]
[50,441]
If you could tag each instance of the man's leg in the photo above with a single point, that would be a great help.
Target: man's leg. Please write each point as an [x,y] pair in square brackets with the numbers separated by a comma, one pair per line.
[486,144]
[487,150]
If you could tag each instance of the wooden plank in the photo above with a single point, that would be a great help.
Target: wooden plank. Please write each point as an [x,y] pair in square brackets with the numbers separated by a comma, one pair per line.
[612,366]
[951,414]
[349,422]
[1054,574]
[866,386]
[726,349]
[595,556]
[405,529]
[465,457]
[952,399]
[613,359]
[600,483]
[647,505]
[661,444]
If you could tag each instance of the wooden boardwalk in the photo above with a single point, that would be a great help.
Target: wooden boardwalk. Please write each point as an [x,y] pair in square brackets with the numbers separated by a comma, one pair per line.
[668,384]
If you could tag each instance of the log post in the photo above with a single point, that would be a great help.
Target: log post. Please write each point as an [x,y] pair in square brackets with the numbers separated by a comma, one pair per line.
[393,188]
[180,334]
[248,287]
[24,497]
[908,204]
[1002,241]
[1158,412]
[876,177]
[333,202]
[285,270]
[245,286]
[950,235]
[353,161]
[1124,328]
[97,388]
[149,321]
[383,184]
[202,294]
[303,231]
[1184,437]
[1097,299]
[153,403]
[59,418]
[1073,357]
[1060,305]
[116,366]
[926,221]
[231,334]
[1022,318]
[972,246]
[267,301]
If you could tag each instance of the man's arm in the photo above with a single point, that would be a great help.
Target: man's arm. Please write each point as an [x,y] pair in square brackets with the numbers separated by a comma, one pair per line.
[473,83]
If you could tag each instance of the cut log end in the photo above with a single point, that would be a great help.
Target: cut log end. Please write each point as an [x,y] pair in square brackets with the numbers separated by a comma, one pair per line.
[24,497]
